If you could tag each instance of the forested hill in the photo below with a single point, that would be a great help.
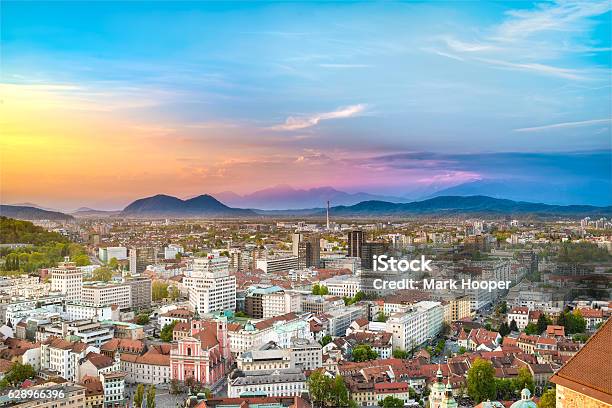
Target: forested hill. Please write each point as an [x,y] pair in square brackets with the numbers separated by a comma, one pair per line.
[24,232]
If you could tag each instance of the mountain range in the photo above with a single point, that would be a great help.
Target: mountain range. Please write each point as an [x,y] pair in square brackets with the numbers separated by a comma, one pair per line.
[283,197]
[450,205]
[165,205]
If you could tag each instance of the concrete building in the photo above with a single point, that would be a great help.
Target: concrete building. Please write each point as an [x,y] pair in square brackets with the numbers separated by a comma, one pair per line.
[141,295]
[99,294]
[67,279]
[211,287]
[108,253]
[172,250]
[275,265]
[140,258]
[343,285]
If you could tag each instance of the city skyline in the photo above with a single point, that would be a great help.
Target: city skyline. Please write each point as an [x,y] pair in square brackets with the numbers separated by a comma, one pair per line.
[106,103]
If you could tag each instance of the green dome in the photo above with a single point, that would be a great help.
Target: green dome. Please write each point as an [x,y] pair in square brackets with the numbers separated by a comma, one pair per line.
[525,401]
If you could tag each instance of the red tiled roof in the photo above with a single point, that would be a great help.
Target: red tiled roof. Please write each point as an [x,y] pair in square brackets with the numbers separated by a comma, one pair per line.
[588,372]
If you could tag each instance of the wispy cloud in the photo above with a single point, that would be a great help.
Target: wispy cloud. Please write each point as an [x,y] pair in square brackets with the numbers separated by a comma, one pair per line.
[536,67]
[303,122]
[565,125]
[536,40]
[562,16]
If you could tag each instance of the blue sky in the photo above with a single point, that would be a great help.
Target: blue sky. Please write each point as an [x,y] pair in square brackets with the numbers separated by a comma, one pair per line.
[227,89]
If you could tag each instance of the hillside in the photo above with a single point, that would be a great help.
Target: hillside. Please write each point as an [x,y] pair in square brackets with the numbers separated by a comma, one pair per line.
[32,213]
[164,205]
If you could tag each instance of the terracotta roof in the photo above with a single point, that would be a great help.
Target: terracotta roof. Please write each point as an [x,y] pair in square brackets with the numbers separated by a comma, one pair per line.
[123,345]
[150,358]
[552,330]
[588,372]
[100,360]
[264,324]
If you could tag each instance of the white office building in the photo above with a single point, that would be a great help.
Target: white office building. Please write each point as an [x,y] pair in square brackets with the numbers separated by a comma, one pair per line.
[67,279]
[211,287]
[98,294]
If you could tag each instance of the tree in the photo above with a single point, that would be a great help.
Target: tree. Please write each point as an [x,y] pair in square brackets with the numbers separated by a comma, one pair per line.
[543,323]
[17,374]
[139,396]
[531,329]
[324,290]
[142,319]
[462,350]
[103,274]
[151,397]
[401,354]
[340,394]
[524,379]
[113,263]
[81,260]
[549,399]
[316,289]
[175,386]
[328,392]
[319,388]
[573,322]
[166,332]
[381,317]
[513,326]
[391,402]
[325,340]
[173,292]
[481,381]
[504,329]
[159,290]
[364,352]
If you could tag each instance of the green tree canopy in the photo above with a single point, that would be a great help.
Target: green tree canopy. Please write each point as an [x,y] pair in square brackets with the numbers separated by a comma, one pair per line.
[364,352]
[166,332]
[481,381]
[391,402]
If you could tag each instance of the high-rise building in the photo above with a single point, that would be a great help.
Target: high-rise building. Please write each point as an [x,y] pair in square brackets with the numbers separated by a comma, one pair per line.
[141,292]
[307,249]
[67,279]
[140,258]
[369,250]
[211,287]
[355,241]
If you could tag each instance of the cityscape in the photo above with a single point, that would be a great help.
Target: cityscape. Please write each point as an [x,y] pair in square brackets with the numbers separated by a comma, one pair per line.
[306,204]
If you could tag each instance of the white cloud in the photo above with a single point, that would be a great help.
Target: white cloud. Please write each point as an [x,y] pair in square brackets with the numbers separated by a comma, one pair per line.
[536,67]
[302,122]
[564,125]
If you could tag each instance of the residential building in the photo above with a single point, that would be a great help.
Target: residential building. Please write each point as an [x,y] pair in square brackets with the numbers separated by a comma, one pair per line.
[61,357]
[140,288]
[520,315]
[113,384]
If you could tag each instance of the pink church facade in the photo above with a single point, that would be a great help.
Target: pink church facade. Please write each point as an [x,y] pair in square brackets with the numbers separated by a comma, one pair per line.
[204,355]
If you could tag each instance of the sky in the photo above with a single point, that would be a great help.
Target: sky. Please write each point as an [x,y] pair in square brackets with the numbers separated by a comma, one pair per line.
[106,102]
